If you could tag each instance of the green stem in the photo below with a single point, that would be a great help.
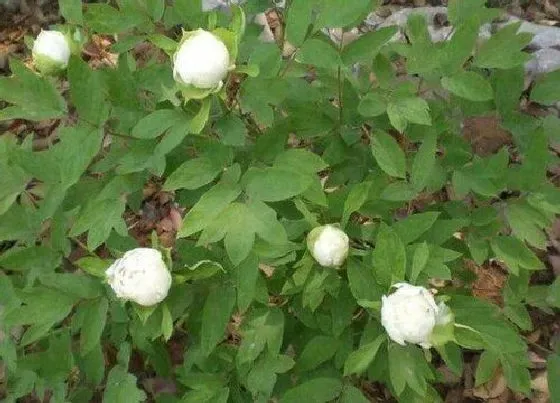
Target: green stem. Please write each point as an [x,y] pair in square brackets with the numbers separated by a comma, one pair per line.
[340,94]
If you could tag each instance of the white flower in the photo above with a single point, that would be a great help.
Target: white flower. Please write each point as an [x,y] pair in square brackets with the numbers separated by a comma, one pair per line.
[51,51]
[410,314]
[328,245]
[201,61]
[140,276]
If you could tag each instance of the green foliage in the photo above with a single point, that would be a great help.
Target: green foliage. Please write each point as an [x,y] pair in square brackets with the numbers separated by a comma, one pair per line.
[365,135]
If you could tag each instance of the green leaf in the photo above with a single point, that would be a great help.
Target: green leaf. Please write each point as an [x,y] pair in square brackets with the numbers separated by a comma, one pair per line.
[33,97]
[468,85]
[19,223]
[266,224]
[240,234]
[424,162]
[404,110]
[547,88]
[8,353]
[515,254]
[508,87]
[121,387]
[215,316]
[210,205]
[300,160]
[318,350]
[276,184]
[527,223]
[156,123]
[193,174]
[419,260]
[359,360]
[518,314]
[247,274]
[86,91]
[373,104]
[413,226]
[43,306]
[232,130]
[459,48]
[99,218]
[257,95]
[71,10]
[166,322]
[388,154]
[199,120]
[366,47]
[93,265]
[318,53]
[340,13]
[12,183]
[95,315]
[389,256]
[553,369]
[32,257]
[298,20]
[103,18]
[504,49]
[351,394]
[356,198]
[408,366]
[452,355]
[321,390]
[93,365]
[399,191]
[362,281]
[80,286]
[516,373]
[155,9]
[463,10]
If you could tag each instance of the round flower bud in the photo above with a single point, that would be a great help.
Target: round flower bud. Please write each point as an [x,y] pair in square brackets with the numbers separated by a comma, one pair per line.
[51,52]
[328,245]
[201,61]
[140,276]
[410,314]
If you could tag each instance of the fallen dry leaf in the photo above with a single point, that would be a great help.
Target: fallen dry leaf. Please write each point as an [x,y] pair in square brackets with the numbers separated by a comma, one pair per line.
[485,134]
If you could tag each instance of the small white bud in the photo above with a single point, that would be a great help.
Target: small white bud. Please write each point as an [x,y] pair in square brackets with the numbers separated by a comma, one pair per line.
[51,51]
[140,276]
[328,245]
[410,314]
[201,61]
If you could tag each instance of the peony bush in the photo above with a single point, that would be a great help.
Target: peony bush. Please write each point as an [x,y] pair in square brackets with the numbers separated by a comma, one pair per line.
[229,204]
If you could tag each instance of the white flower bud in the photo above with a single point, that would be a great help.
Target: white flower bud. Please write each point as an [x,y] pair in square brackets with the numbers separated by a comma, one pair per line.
[140,276]
[51,51]
[201,61]
[410,314]
[328,245]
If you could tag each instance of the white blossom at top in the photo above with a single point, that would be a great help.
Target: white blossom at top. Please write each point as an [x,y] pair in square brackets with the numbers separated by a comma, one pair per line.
[410,314]
[201,61]
[328,245]
[53,47]
[140,276]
